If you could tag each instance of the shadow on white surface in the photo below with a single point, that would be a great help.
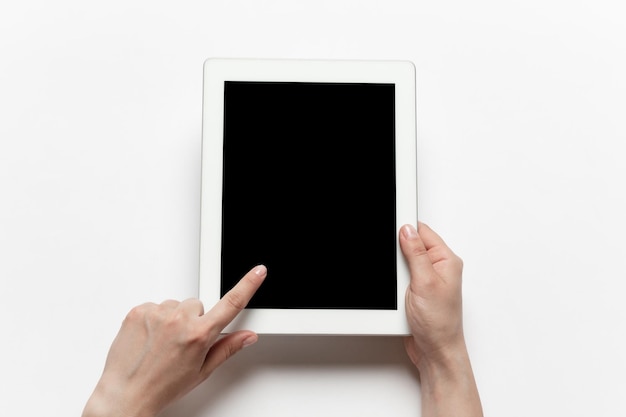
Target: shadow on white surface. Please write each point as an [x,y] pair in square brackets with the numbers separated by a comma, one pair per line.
[305,374]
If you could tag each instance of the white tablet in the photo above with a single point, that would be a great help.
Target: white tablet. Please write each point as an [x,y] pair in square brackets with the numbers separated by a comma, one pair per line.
[309,167]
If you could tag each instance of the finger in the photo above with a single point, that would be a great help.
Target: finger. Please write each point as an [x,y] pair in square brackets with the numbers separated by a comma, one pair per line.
[193,306]
[236,299]
[438,250]
[226,347]
[415,251]
[429,236]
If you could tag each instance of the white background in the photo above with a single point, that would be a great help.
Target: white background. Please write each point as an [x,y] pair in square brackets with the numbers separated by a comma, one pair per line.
[521,170]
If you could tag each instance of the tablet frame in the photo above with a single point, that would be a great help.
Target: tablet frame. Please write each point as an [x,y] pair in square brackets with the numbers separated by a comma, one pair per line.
[305,321]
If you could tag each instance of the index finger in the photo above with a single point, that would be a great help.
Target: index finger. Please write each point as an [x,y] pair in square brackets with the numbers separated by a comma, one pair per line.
[429,236]
[235,300]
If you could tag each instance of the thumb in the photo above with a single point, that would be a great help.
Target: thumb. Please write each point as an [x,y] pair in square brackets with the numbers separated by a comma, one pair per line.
[411,350]
[416,255]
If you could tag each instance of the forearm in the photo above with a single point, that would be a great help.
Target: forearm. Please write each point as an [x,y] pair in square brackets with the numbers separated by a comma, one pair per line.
[448,386]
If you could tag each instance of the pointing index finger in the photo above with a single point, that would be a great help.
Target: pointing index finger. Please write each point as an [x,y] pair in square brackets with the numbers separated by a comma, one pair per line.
[235,300]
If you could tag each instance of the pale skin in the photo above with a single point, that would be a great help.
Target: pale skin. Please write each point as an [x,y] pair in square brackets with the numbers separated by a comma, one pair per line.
[434,312]
[163,351]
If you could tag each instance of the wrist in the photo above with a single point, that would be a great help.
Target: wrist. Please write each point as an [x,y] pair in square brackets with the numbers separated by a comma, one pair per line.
[446,362]
[447,384]
[106,402]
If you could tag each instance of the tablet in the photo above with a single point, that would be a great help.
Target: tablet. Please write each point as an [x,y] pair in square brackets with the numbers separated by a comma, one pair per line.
[309,167]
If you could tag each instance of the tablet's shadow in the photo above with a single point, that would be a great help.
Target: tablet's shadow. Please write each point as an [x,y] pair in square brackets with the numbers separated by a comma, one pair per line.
[298,354]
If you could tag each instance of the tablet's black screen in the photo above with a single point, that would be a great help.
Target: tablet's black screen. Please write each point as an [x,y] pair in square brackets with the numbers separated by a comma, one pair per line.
[309,191]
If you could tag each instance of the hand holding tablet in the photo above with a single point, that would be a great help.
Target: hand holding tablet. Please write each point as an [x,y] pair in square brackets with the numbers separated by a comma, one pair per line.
[309,168]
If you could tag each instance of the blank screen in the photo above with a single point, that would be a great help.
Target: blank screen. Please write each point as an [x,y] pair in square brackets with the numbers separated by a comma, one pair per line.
[309,191]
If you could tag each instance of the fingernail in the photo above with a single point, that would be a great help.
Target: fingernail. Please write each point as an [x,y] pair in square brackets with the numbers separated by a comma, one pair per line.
[250,340]
[260,271]
[409,232]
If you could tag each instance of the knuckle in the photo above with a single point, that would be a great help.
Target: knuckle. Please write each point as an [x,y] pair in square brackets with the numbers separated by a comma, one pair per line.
[419,251]
[195,304]
[230,350]
[236,300]
[184,329]
[139,312]
[176,321]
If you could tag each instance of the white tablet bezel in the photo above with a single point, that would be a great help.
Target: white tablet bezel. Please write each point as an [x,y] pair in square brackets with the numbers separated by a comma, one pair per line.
[305,321]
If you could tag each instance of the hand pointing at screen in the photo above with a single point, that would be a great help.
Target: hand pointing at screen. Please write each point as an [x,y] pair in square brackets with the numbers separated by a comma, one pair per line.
[163,351]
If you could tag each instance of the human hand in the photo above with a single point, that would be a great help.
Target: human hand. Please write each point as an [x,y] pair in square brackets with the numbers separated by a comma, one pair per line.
[434,312]
[163,351]
[433,298]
